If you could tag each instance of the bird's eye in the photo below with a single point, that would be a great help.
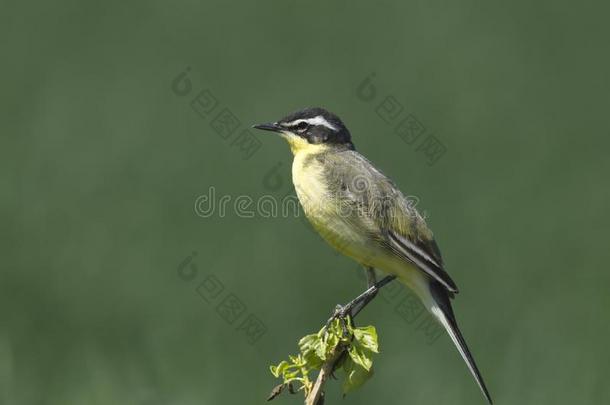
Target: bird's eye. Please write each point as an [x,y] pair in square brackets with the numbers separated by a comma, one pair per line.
[302,126]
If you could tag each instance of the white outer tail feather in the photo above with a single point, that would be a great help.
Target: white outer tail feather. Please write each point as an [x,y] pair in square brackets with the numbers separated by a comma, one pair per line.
[453,334]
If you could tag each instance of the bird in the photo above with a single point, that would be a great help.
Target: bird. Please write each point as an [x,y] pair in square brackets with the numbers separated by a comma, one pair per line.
[361,213]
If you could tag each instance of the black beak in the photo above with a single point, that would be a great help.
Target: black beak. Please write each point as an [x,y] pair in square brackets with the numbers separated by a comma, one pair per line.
[269,126]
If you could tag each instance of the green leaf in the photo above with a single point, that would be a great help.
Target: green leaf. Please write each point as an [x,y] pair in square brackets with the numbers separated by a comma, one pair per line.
[329,343]
[367,337]
[313,350]
[279,369]
[308,342]
[361,356]
[355,376]
[363,346]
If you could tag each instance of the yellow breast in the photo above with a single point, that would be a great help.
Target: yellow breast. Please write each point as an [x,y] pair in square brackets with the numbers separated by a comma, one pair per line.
[308,179]
[319,203]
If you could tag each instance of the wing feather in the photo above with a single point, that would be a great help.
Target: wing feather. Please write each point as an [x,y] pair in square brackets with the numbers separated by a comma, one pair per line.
[388,213]
[416,254]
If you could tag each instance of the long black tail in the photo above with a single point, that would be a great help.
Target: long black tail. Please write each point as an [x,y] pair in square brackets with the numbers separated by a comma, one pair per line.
[444,313]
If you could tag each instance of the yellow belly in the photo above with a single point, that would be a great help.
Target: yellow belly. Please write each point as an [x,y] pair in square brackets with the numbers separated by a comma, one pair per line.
[324,212]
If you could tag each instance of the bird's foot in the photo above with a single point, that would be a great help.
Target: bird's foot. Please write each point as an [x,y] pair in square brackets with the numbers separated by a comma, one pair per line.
[341,312]
[352,308]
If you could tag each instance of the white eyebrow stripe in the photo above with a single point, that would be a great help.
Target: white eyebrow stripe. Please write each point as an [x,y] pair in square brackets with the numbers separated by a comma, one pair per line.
[319,120]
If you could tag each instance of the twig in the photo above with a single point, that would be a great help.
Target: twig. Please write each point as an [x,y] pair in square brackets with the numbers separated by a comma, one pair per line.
[316,396]
[328,367]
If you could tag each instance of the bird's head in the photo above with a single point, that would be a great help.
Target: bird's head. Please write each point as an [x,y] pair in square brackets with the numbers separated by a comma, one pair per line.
[311,128]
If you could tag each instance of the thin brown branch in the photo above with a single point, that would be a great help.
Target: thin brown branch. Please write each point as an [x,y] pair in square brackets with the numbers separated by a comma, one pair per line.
[316,396]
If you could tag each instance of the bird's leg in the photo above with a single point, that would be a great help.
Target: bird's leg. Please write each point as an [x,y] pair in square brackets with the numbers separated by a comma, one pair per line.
[371,280]
[356,305]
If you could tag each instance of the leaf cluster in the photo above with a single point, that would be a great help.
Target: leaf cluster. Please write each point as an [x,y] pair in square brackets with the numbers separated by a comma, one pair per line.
[356,345]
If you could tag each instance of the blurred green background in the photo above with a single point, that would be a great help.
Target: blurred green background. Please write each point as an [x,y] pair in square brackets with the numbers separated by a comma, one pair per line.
[101,163]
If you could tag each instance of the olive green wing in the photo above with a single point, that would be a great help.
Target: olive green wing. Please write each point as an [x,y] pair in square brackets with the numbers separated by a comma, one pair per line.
[388,214]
